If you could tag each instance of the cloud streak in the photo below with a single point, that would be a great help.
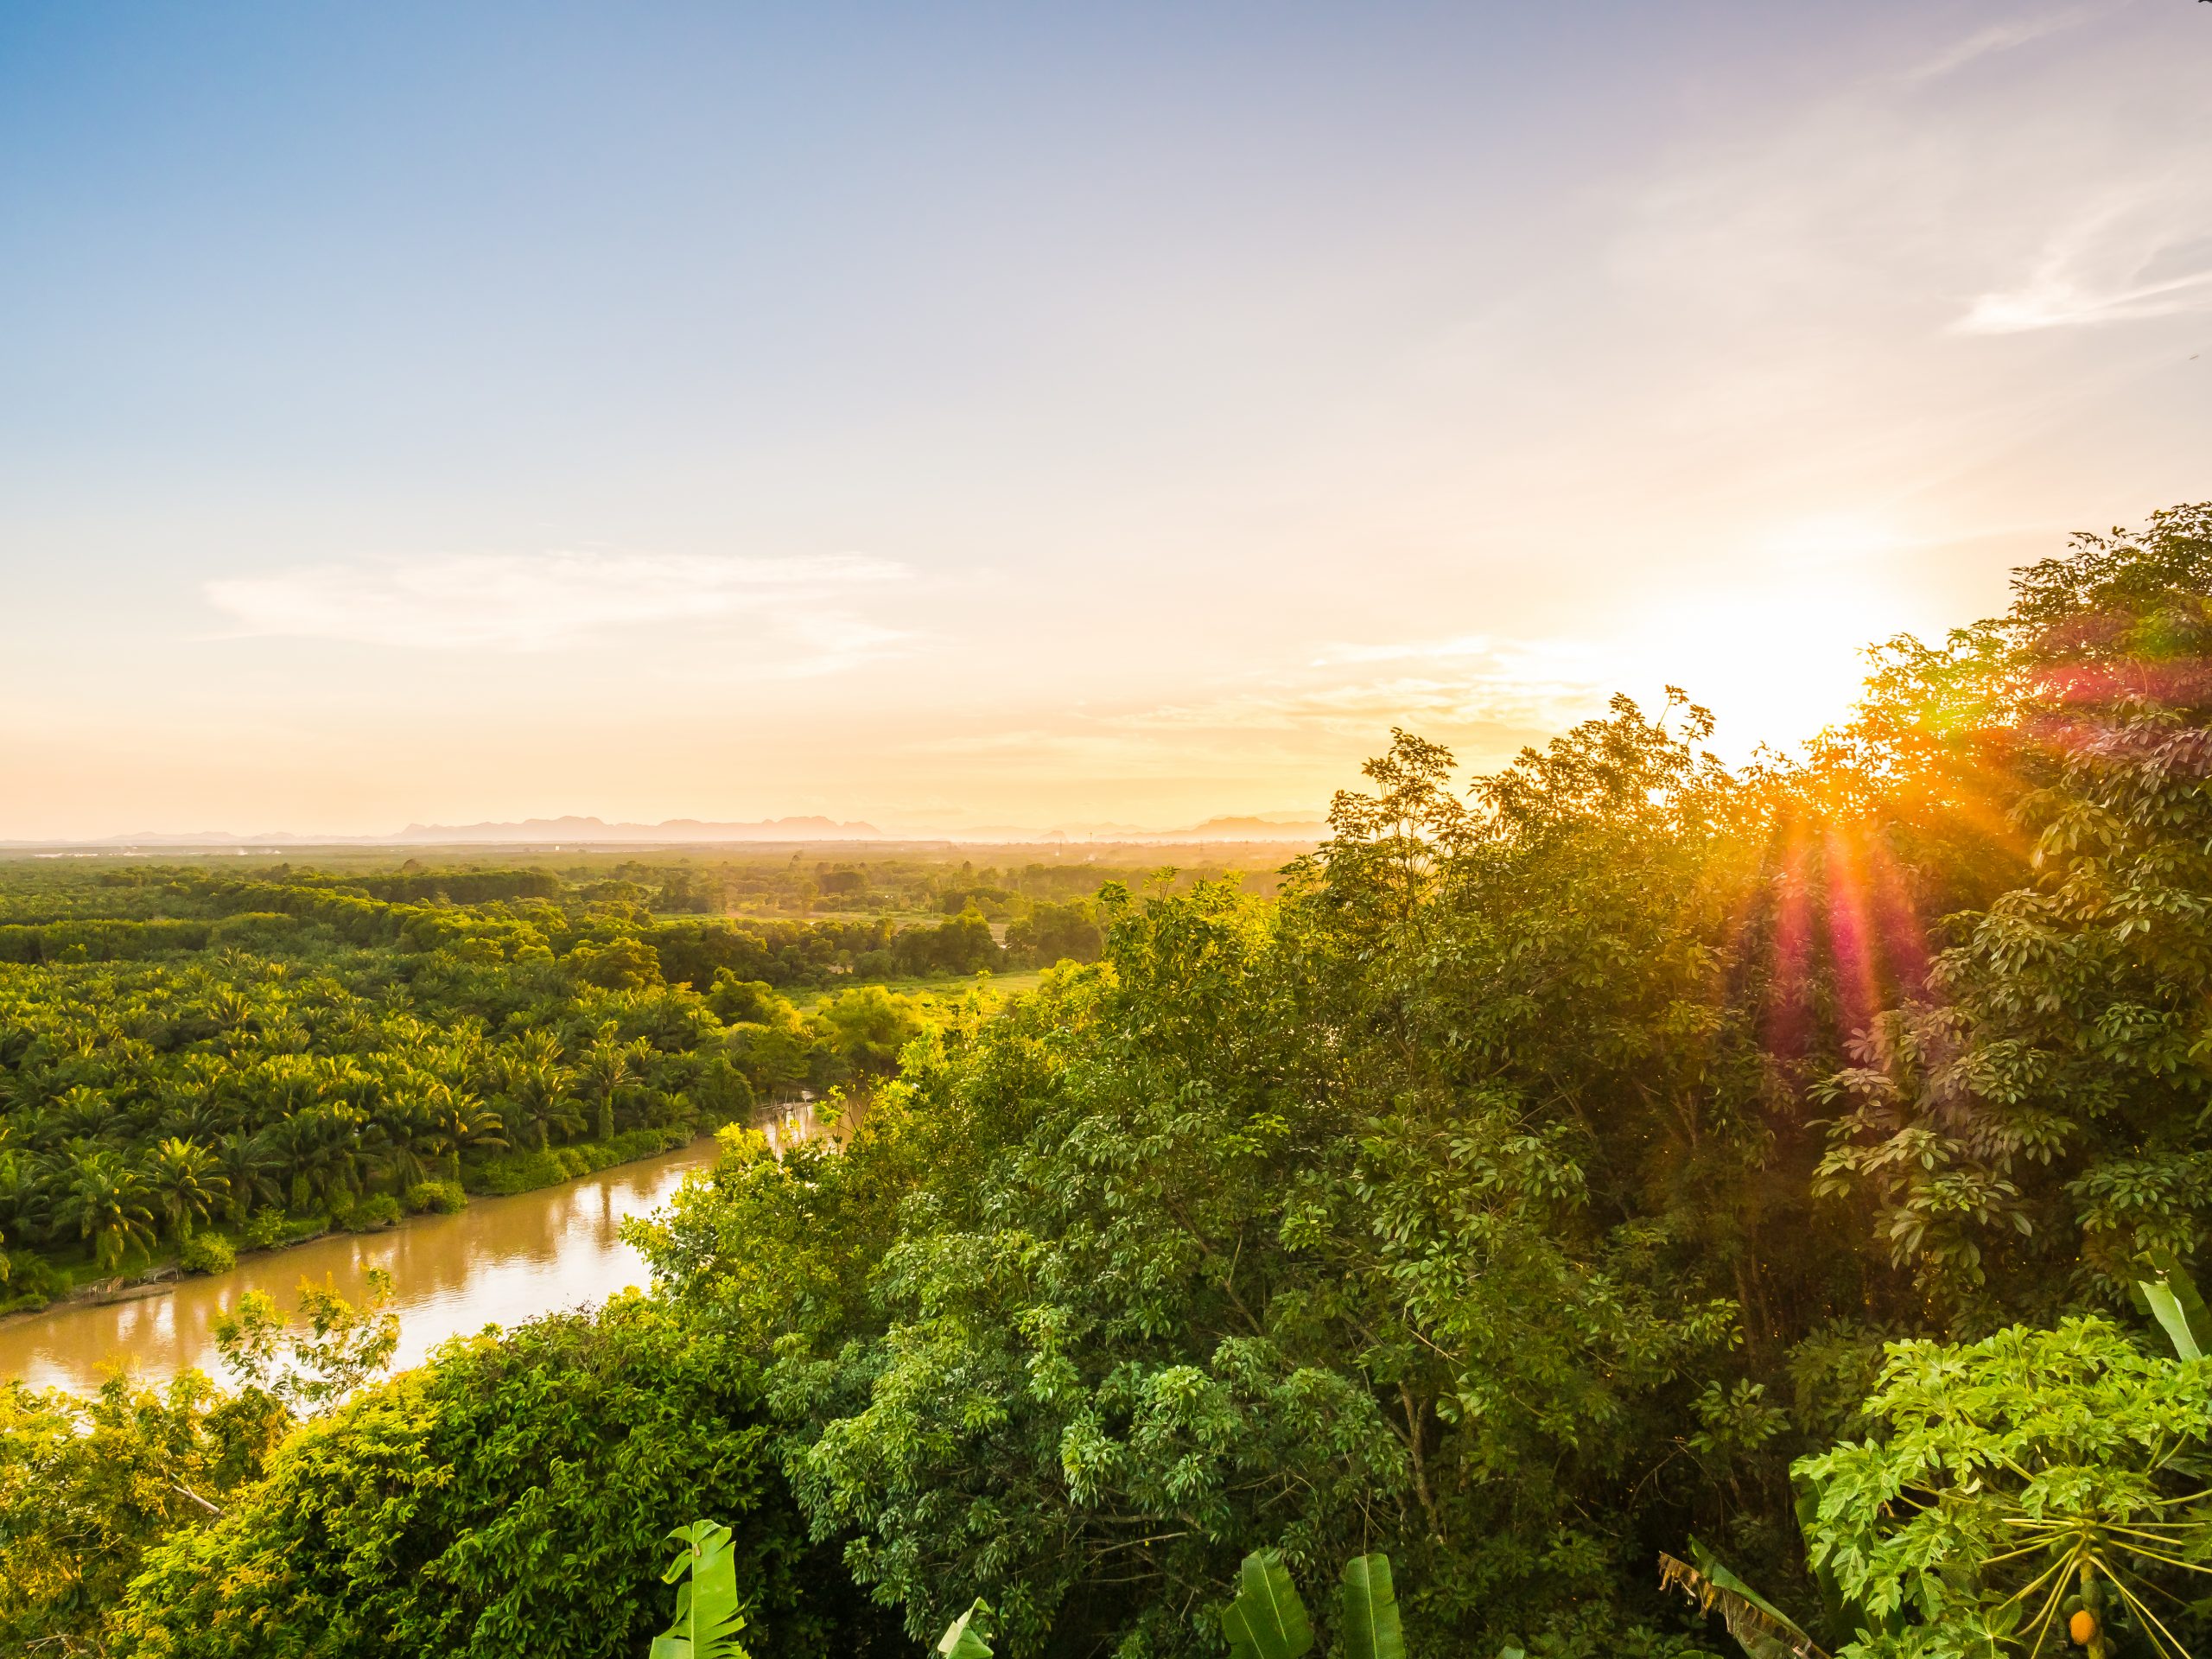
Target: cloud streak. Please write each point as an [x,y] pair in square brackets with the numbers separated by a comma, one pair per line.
[540,602]
[2054,300]
[1998,37]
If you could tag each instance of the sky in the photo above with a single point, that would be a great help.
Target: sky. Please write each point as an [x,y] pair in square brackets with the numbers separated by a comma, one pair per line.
[1042,415]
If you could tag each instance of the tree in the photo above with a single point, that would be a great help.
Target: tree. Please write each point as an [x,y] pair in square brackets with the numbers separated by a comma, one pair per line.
[454,1121]
[2021,1480]
[512,1494]
[533,1089]
[1050,933]
[606,1068]
[867,1027]
[86,1486]
[89,1485]
[1114,1288]
[186,1183]
[247,1164]
[105,1201]
[2032,1113]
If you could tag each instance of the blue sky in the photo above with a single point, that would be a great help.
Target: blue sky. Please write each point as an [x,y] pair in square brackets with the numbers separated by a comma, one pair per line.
[959,415]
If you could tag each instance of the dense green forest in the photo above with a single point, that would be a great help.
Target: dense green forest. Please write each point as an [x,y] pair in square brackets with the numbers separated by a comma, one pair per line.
[192,1061]
[1619,1156]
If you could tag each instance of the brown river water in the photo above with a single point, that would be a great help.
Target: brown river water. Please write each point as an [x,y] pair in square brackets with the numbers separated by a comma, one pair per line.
[500,1262]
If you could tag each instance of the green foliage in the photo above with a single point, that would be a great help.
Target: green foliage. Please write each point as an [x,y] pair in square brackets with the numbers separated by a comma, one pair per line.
[707,1614]
[436,1197]
[965,1638]
[1368,1625]
[1760,1628]
[2027,1125]
[208,1253]
[2010,1476]
[2172,1299]
[343,1347]
[369,1214]
[1266,1620]
[1051,933]
[313,1040]
[510,1498]
[1550,1166]
[87,1486]
[90,1486]
[507,1174]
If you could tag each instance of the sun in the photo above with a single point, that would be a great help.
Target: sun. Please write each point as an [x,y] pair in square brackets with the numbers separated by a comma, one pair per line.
[1778,651]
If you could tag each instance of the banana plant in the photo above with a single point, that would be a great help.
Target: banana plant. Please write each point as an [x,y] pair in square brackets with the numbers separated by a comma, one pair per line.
[707,1614]
[1367,1607]
[2171,1299]
[964,1639]
[1267,1620]
[1761,1628]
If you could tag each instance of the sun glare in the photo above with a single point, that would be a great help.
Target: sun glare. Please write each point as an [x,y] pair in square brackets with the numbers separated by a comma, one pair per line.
[1781,652]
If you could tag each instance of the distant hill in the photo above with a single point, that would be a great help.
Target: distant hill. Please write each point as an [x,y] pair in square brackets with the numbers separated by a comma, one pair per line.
[588,830]
[1267,828]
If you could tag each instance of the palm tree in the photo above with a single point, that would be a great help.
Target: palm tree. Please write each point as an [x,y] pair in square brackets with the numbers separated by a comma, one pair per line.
[533,1089]
[322,1148]
[459,1121]
[392,1142]
[104,1200]
[606,1071]
[247,1163]
[81,1111]
[186,1180]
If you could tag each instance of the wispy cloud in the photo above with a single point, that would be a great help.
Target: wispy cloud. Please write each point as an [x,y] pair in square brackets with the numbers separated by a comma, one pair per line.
[2056,298]
[1471,644]
[544,601]
[1998,37]
[1487,697]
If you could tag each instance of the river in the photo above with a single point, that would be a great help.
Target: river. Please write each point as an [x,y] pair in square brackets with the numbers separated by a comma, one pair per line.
[500,1261]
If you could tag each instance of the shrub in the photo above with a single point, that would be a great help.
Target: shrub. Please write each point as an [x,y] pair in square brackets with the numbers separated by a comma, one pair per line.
[519,1172]
[436,1197]
[510,1173]
[647,1142]
[519,1489]
[32,1282]
[263,1230]
[208,1253]
[368,1214]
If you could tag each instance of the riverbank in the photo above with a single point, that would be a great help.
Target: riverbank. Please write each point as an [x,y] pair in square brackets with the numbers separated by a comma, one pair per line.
[501,1260]
[271,1232]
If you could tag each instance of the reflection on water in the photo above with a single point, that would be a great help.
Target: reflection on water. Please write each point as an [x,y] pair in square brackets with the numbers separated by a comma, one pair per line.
[500,1262]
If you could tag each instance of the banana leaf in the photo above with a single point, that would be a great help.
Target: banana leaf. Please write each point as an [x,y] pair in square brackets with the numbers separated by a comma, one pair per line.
[707,1616]
[2173,1301]
[963,1637]
[1368,1606]
[1266,1620]
[1760,1628]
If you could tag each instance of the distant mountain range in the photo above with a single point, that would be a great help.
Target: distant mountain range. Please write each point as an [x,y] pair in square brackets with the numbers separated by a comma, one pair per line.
[574,832]
[593,830]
